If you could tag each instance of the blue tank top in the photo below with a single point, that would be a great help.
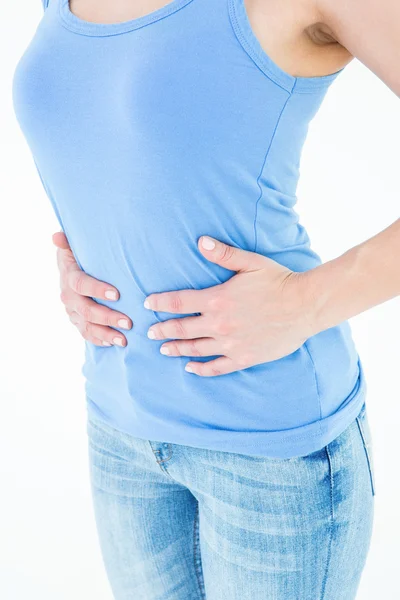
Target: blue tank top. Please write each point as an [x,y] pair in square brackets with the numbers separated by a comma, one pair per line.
[148,134]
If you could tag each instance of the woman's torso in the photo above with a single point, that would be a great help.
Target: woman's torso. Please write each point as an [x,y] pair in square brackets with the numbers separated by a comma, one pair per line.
[147,134]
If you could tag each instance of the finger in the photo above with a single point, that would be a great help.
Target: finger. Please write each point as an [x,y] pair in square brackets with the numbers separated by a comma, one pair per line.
[90,331]
[180,302]
[60,240]
[197,347]
[85,285]
[93,312]
[107,335]
[229,257]
[212,368]
[73,317]
[178,329]
[66,260]
[96,342]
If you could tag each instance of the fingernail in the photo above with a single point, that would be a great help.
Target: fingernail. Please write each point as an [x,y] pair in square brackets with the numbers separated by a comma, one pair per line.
[164,350]
[207,243]
[106,343]
[151,334]
[146,304]
[111,295]
[188,369]
[124,324]
[118,341]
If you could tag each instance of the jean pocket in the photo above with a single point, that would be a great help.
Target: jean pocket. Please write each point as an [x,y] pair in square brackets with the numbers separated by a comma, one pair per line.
[365,431]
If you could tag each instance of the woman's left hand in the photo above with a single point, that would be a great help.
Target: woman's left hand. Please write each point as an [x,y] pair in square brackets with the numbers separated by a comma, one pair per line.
[262,313]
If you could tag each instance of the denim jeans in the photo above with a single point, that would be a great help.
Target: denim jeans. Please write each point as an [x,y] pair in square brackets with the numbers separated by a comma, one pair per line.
[183,523]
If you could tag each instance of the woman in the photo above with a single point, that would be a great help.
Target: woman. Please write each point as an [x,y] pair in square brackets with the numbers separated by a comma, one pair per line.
[219,360]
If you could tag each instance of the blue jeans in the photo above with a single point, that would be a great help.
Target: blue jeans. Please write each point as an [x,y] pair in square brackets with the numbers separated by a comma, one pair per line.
[183,523]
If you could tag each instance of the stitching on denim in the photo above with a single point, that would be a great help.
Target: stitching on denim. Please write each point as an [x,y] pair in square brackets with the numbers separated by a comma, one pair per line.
[261,194]
[196,554]
[170,449]
[332,516]
[362,433]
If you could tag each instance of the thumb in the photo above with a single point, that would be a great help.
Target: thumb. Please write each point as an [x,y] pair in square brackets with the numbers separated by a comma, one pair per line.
[60,240]
[230,257]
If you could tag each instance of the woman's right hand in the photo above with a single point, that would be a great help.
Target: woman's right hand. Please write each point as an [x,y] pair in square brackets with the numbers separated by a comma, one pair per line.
[94,321]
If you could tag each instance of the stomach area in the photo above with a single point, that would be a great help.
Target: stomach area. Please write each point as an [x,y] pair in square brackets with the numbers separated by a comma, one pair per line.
[160,253]
[309,384]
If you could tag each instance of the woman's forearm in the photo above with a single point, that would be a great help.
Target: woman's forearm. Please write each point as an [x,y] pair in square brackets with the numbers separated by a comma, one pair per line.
[362,277]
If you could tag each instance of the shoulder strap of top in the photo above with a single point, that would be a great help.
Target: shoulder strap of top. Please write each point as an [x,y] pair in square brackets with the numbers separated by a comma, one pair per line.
[45,4]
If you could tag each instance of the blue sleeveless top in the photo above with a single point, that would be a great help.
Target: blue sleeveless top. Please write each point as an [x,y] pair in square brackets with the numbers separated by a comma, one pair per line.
[148,134]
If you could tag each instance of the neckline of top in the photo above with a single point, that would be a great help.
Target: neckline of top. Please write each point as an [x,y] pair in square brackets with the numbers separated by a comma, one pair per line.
[78,25]
[244,31]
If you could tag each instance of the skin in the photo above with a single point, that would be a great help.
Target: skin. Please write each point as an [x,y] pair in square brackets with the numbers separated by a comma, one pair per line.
[264,311]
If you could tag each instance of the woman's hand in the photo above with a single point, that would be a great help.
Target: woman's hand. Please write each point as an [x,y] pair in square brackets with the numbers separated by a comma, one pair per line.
[261,314]
[93,320]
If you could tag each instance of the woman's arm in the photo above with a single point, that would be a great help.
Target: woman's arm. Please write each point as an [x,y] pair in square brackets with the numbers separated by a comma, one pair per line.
[359,279]
[369,273]
[370,30]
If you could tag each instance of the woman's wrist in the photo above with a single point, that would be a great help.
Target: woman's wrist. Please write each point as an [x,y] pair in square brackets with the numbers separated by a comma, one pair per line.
[364,276]
[330,289]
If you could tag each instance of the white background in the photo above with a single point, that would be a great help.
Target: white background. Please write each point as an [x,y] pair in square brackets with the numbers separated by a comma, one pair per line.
[349,190]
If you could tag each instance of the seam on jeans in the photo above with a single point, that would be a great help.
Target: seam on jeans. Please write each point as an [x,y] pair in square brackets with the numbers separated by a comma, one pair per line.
[163,468]
[171,451]
[155,452]
[364,441]
[328,559]
[196,554]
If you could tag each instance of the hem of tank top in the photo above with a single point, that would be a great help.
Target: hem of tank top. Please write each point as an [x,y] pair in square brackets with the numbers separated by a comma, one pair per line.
[252,46]
[77,25]
[336,422]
